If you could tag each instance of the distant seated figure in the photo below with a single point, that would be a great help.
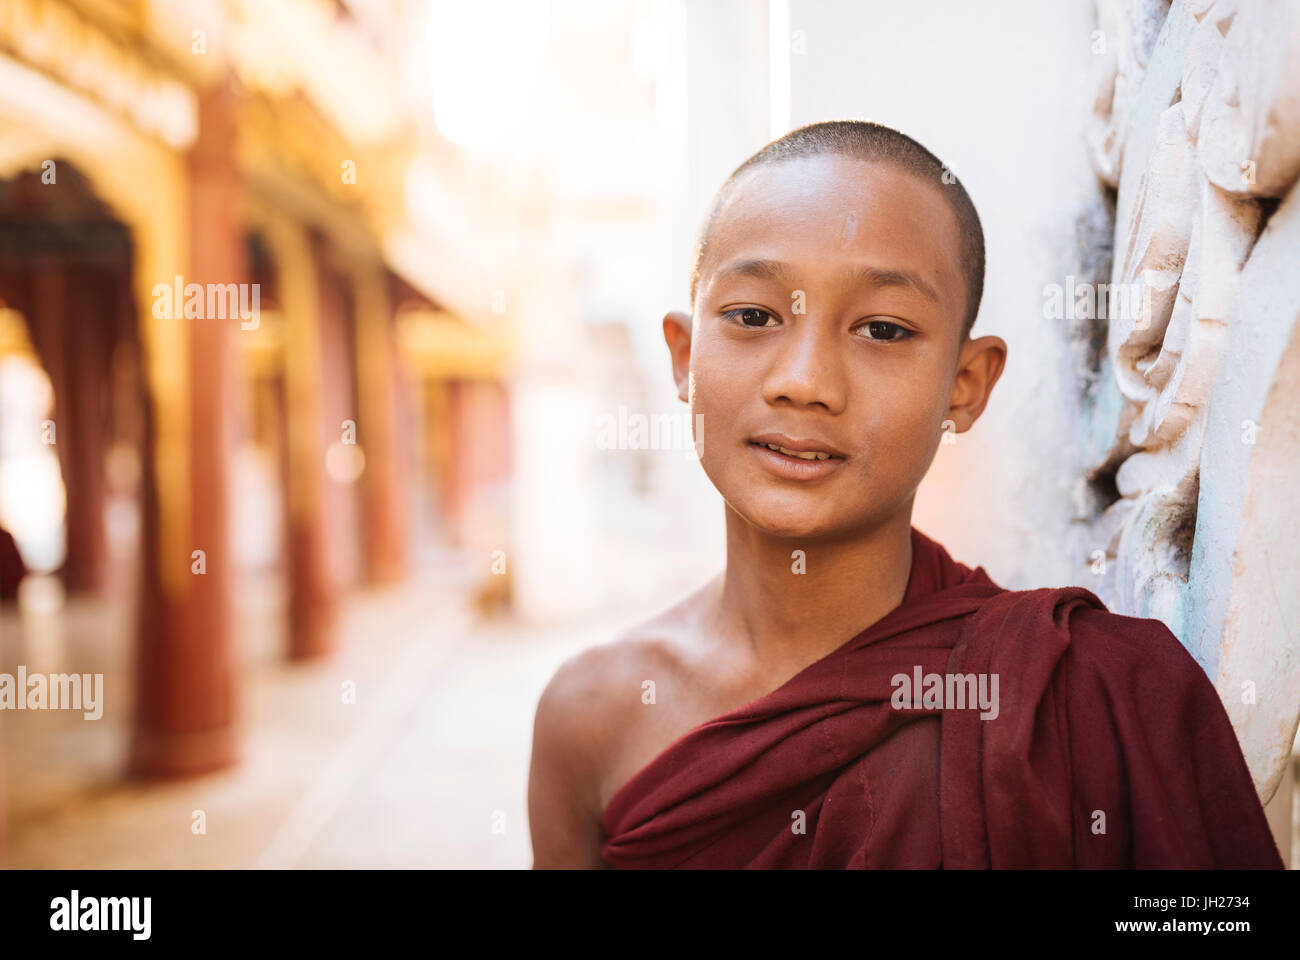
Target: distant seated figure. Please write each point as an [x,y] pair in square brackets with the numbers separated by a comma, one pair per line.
[12,568]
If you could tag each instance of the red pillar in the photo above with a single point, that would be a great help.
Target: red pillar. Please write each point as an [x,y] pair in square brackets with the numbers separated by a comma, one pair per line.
[342,500]
[321,552]
[89,320]
[185,711]
[313,590]
[70,320]
[455,472]
[379,387]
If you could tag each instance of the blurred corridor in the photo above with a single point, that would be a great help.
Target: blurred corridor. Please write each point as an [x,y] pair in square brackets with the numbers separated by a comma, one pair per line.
[425,769]
[302,364]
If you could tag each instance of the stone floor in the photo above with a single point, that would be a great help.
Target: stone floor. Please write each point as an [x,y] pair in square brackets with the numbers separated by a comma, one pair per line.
[428,768]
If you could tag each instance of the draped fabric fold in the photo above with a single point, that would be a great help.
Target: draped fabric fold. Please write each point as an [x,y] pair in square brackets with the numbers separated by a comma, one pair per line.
[1107,746]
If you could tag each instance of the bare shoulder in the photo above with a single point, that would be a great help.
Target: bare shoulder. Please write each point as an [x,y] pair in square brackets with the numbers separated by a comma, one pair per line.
[582,720]
[595,692]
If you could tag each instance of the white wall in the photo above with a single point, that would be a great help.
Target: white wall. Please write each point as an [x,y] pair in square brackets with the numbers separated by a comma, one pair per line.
[1000,93]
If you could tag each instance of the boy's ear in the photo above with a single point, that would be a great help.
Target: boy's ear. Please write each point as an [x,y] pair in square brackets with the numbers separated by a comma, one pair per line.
[979,365]
[677,334]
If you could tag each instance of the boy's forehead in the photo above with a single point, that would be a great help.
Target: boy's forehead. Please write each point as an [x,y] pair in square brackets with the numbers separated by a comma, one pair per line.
[829,208]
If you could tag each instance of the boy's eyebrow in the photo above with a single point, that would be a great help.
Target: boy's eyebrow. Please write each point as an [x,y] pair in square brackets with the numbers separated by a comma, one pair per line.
[865,275]
[896,277]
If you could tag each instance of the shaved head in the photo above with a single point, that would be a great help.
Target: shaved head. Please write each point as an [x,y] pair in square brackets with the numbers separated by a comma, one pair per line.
[873,143]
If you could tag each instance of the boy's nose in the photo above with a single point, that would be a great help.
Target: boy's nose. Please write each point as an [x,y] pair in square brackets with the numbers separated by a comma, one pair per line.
[808,370]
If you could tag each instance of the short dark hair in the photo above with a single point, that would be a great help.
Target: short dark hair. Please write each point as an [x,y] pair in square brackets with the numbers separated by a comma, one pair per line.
[874,142]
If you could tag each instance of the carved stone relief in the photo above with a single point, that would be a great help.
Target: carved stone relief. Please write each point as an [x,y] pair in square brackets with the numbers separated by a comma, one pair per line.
[1196,124]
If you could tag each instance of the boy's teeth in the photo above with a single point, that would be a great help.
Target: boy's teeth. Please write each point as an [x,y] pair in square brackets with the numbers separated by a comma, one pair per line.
[810,455]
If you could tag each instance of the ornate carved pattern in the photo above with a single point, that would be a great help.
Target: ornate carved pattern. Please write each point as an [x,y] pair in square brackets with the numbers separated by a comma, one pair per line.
[1195,124]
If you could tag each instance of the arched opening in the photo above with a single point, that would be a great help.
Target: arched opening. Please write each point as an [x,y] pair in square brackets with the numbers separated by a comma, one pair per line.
[71,391]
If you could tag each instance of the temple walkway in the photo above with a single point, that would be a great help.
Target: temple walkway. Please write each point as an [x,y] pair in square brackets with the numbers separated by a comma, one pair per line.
[427,768]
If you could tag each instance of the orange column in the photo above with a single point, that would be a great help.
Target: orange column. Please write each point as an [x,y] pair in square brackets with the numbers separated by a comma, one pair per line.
[185,696]
[384,483]
[437,440]
[480,437]
[88,325]
[313,584]
[341,422]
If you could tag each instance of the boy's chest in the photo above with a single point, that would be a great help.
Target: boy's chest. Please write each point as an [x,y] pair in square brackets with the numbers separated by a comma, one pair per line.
[882,805]
[680,697]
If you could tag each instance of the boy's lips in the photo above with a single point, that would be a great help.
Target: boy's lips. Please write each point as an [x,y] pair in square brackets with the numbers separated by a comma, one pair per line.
[820,458]
[798,445]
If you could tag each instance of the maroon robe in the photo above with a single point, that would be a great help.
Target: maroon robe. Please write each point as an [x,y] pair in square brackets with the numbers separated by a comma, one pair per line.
[1110,748]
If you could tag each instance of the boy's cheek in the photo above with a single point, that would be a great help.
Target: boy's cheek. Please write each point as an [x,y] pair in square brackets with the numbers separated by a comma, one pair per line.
[718,399]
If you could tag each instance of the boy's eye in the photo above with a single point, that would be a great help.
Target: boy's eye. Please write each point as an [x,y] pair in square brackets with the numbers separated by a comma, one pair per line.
[884,331]
[749,316]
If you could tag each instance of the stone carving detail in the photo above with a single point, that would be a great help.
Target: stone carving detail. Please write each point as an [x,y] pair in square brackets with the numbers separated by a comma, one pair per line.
[1196,124]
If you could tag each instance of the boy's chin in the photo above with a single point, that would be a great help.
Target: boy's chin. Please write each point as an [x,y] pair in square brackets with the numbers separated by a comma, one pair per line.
[777,520]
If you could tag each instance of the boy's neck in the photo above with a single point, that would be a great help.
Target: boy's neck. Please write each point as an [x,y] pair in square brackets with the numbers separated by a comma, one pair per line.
[784,617]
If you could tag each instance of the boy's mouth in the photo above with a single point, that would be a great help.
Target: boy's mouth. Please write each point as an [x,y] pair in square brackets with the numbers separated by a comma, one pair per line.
[792,459]
[808,455]
[811,449]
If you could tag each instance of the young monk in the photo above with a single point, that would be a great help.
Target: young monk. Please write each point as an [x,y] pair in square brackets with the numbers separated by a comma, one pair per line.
[845,694]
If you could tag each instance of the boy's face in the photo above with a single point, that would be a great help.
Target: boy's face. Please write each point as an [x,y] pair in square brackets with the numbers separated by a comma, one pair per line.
[829,309]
